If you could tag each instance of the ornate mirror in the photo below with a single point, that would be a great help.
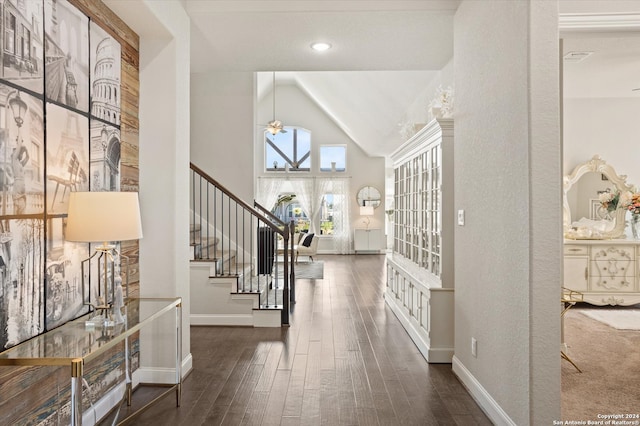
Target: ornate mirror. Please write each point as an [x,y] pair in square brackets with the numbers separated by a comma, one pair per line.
[585,216]
[368,196]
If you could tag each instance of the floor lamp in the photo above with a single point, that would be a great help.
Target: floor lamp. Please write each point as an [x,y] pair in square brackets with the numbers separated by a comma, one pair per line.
[104,217]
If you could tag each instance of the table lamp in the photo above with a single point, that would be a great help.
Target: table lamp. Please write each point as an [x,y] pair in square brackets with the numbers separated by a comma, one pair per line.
[104,217]
[366,211]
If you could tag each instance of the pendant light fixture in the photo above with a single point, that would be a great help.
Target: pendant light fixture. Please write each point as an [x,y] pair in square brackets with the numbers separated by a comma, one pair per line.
[275,126]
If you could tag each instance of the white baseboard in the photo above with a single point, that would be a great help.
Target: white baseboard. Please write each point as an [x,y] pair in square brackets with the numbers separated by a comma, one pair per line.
[161,375]
[489,405]
[93,413]
[222,319]
[259,318]
[187,365]
[267,318]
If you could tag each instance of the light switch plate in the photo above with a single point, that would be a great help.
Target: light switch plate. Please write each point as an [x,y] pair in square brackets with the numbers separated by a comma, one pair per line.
[461,217]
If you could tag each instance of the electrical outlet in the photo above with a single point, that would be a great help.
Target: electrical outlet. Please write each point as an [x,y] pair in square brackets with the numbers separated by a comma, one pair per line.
[474,347]
[461,217]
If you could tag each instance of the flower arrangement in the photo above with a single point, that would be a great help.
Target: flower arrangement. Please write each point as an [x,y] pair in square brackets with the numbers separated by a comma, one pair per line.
[611,201]
[634,204]
[634,208]
[442,105]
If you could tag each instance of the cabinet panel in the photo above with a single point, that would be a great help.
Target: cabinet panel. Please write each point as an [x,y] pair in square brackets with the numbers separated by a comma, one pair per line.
[576,272]
[424,314]
[415,303]
[611,284]
[576,250]
[612,273]
[367,239]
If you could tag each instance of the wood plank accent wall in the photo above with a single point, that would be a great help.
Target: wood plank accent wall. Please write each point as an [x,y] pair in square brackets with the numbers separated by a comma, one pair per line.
[129,104]
[31,395]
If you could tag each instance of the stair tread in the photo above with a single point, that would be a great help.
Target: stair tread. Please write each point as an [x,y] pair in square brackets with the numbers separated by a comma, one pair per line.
[225,255]
[212,241]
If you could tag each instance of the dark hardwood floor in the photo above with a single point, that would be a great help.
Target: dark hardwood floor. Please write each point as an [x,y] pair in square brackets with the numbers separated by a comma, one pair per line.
[345,360]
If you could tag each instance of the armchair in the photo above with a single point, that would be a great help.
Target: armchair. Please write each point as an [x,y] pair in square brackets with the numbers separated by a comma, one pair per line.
[310,251]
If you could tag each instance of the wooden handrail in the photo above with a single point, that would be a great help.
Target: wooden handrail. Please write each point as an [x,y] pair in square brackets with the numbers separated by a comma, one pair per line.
[229,194]
[274,218]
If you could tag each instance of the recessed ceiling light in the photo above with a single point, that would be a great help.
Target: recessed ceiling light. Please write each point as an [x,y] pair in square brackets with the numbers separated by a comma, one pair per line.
[320,46]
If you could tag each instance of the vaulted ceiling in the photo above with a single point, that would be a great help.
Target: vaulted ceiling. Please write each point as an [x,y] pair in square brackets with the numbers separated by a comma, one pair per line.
[384,54]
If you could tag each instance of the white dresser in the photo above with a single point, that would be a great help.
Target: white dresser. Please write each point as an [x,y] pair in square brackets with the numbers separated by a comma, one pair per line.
[606,271]
[367,239]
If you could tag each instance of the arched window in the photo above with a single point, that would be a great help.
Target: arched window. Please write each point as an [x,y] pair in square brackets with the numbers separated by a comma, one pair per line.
[288,150]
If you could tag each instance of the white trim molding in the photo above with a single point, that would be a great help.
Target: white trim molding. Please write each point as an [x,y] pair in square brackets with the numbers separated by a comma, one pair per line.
[577,22]
[160,375]
[94,412]
[489,405]
[424,309]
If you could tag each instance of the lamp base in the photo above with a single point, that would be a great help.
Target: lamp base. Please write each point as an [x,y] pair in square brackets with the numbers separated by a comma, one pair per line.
[99,321]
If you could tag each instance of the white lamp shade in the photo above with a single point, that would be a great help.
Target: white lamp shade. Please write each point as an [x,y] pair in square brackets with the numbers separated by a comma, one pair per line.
[103,216]
[366,210]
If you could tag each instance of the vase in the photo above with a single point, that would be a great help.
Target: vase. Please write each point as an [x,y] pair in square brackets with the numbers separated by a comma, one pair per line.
[634,222]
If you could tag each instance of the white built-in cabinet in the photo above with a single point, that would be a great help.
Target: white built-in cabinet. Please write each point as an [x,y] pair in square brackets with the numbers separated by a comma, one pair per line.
[368,239]
[420,281]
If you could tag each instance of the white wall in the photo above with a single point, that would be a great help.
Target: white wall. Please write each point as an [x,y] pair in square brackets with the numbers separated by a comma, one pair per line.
[607,127]
[507,177]
[164,31]
[222,128]
[418,112]
[295,108]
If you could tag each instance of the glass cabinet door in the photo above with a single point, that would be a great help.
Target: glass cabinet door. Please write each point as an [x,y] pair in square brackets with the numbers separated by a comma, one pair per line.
[418,200]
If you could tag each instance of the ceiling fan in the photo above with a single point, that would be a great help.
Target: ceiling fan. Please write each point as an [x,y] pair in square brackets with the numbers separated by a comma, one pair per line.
[275,126]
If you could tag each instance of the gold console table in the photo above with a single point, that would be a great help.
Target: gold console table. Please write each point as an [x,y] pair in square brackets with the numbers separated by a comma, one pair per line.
[94,341]
[569,299]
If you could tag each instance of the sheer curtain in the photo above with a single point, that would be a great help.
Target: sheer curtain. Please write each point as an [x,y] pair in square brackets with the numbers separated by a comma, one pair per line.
[341,215]
[303,188]
[323,186]
[309,193]
[268,191]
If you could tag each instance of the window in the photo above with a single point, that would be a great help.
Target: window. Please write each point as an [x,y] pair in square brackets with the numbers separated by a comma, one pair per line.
[290,150]
[333,158]
[326,215]
[25,43]
[287,209]
[10,33]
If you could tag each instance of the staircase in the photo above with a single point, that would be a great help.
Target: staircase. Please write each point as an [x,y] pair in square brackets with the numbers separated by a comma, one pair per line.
[241,259]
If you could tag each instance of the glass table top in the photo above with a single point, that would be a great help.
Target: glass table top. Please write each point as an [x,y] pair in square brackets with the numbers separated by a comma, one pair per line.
[83,339]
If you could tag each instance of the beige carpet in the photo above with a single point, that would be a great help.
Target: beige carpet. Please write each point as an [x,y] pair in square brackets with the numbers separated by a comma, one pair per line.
[610,362]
